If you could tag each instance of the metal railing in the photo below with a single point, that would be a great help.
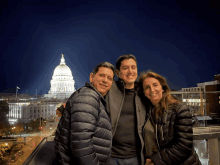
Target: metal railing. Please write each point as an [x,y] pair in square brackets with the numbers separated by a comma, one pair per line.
[33,154]
[211,135]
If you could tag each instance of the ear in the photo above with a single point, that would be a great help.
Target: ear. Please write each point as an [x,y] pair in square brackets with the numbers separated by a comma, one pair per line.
[117,72]
[91,77]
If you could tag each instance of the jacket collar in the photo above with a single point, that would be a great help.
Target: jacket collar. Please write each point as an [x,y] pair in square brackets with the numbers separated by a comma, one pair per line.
[87,84]
[121,85]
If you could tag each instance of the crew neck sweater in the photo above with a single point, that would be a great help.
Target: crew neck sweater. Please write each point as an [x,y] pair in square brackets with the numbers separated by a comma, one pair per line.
[124,140]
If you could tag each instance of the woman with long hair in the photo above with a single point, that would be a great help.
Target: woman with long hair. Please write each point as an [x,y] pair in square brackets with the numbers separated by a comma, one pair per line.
[168,133]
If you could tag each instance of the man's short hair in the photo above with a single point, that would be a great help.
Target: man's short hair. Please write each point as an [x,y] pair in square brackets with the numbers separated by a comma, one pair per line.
[106,65]
[124,57]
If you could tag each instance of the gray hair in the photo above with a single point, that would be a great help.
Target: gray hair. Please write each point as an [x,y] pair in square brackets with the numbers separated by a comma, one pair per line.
[106,65]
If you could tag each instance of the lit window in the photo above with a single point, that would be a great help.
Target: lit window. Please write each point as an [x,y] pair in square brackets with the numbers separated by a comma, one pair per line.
[219,102]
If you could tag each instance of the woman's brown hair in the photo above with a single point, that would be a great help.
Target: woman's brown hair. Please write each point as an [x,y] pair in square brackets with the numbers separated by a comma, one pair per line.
[166,99]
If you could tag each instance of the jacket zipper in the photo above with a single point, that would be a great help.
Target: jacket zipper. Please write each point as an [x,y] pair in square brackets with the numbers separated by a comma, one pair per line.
[157,138]
[162,132]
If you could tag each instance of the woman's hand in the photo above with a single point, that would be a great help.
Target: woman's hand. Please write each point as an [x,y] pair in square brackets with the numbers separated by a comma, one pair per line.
[149,162]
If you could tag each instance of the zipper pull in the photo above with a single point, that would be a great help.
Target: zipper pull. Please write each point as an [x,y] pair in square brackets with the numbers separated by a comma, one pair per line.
[162,132]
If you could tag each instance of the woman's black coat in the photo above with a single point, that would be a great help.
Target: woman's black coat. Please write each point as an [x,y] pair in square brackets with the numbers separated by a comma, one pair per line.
[175,137]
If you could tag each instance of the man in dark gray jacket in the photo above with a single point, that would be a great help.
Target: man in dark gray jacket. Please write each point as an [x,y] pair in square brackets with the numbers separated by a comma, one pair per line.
[83,135]
[128,113]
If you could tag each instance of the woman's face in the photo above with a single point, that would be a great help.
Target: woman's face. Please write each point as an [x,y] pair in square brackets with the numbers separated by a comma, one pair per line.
[152,89]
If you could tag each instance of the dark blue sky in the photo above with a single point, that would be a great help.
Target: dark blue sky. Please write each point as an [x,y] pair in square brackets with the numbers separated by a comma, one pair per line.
[179,40]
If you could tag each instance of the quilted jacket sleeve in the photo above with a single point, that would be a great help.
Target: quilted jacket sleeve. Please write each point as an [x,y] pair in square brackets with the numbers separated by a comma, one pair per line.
[61,140]
[181,145]
[84,114]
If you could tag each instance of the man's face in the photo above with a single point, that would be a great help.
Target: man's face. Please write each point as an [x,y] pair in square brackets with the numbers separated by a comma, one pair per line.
[102,80]
[128,72]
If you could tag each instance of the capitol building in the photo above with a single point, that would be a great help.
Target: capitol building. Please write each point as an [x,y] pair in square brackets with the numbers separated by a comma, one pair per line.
[62,83]
[25,108]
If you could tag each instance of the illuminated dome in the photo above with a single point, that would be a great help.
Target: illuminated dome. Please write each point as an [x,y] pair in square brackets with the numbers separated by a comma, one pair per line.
[62,83]
[62,71]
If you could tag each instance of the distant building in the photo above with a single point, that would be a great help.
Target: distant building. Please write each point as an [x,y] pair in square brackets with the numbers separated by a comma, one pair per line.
[212,95]
[203,99]
[41,108]
[27,110]
[62,83]
[195,98]
[25,107]
[12,96]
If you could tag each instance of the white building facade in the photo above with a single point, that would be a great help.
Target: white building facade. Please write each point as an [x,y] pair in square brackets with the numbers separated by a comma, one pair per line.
[15,111]
[25,111]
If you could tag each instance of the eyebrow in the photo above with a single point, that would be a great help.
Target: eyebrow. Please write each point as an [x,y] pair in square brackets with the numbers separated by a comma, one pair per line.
[153,84]
[128,65]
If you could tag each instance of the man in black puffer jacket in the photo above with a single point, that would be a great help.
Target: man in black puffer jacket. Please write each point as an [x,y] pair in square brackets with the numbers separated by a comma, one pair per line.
[83,135]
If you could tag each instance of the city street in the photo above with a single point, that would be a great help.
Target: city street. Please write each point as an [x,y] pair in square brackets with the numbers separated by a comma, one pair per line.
[19,154]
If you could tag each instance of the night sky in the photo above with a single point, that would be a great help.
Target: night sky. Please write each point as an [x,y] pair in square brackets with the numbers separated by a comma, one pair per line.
[179,40]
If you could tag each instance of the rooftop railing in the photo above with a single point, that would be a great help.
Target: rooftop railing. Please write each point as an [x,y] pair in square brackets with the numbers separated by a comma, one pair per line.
[207,144]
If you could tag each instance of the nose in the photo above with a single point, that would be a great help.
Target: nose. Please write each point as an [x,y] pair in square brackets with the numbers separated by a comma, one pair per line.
[152,89]
[105,79]
[129,70]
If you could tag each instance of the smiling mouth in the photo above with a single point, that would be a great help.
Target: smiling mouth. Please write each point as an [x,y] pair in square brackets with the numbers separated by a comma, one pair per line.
[153,94]
[103,85]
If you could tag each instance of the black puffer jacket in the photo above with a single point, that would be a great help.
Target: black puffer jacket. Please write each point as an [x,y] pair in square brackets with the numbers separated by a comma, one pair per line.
[175,137]
[83,135]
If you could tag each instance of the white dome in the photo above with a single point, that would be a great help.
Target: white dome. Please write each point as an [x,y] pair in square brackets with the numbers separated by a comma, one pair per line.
[62,71]
[62,82]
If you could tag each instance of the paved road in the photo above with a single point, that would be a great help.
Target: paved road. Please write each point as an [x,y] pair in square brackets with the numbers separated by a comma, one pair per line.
[49,128]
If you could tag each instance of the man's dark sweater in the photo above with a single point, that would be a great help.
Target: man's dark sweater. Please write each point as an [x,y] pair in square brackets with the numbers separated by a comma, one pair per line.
[124,140]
